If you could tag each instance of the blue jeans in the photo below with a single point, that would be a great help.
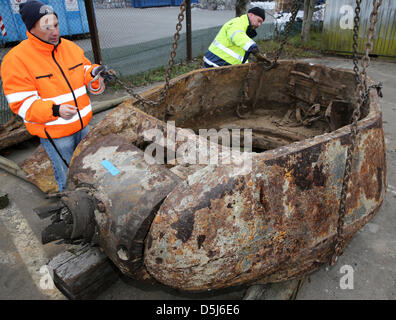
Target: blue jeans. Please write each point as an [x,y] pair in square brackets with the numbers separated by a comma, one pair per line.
[66,147]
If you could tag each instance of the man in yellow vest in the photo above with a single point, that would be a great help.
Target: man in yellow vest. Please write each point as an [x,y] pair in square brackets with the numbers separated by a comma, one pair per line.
[234,43]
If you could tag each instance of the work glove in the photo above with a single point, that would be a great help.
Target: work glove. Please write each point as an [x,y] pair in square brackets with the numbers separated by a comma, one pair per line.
[261,57]
[98,70]
[255,50]
[103,71]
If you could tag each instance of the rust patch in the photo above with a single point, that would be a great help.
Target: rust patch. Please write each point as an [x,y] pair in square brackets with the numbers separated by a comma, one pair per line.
[122,147]
[345,140]
[184,225]
[200,240]
[305,177]
[159,260]
[211,253]
[319,177]
[263,198]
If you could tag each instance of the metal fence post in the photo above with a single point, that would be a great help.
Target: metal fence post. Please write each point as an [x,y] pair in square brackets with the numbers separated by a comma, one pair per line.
[188,30]
[93,30]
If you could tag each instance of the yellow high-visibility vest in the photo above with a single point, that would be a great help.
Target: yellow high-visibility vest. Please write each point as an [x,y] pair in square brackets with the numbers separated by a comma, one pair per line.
[232,42]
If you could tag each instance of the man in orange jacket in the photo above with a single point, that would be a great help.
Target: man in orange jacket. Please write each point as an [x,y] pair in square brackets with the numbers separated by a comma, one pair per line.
[45,80]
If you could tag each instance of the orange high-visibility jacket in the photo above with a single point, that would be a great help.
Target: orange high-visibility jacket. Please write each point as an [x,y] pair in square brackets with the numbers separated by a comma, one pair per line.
[38,75]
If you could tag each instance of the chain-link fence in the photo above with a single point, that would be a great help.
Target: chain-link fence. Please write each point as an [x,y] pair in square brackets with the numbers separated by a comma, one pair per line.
[141,38]
[134,35]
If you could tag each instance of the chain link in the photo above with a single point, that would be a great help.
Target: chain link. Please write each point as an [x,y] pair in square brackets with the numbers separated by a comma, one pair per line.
[362,96]
[142,101]
[356,23]
[245,96]
[369,44]
[288,28]
[171,62]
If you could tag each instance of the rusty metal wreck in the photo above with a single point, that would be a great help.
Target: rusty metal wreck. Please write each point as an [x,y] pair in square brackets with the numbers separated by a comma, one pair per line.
[201,226]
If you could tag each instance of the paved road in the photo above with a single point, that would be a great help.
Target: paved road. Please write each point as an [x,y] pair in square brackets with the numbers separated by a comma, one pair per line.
[135,25]
[371,253]
[126,26]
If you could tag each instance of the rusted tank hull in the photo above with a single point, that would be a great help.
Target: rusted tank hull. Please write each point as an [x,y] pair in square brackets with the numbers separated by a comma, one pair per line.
[276,223]
[127,192]
[198,227]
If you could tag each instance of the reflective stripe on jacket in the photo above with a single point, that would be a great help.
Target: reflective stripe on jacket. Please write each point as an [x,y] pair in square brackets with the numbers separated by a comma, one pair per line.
[37,75]
[232,42]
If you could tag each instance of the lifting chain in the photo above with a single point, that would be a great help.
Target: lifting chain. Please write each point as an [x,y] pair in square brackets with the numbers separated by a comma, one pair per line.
[135,95]
[245,96]
[176,38]
[362,96]
[356,22]
[142,101]
[288,28]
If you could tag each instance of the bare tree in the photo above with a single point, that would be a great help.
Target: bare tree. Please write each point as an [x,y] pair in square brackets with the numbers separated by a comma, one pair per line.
[240,7]
[309,6]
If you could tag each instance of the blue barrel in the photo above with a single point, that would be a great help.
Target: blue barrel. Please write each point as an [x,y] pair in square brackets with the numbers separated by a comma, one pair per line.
[71,14]
[150,3]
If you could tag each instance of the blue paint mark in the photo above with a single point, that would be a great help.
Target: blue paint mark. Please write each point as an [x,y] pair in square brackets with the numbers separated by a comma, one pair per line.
[110,167]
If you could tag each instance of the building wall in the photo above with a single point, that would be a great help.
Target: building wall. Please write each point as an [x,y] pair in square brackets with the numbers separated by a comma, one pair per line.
[338,27]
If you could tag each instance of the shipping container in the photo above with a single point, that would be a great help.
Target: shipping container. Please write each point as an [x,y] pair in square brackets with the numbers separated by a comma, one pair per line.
[178,2]
[150,3]
[71,15]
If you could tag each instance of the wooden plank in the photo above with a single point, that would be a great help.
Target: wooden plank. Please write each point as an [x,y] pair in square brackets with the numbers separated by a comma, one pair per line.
[14,137]
[312,89]
[13,132]
[83,274]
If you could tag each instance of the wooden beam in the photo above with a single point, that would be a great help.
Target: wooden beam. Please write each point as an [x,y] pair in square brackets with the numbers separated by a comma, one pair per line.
[84,273]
